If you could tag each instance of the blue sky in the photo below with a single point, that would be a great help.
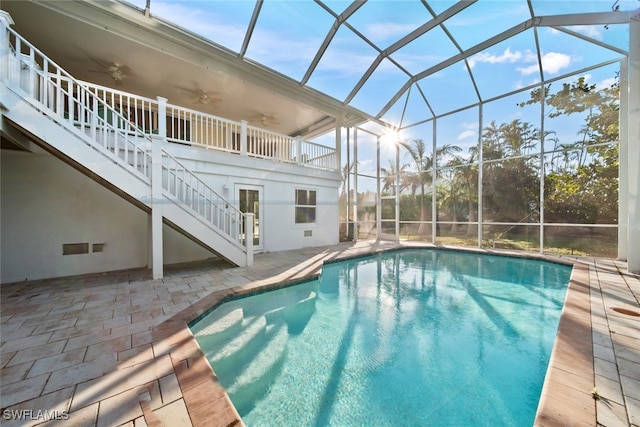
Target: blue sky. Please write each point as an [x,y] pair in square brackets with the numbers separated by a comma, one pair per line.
[300,27]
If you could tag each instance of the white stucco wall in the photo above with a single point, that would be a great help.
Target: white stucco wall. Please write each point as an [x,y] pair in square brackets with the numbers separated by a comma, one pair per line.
[277,182]
[45,203]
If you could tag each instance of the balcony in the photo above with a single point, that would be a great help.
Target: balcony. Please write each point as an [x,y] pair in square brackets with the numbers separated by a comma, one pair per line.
[190,127]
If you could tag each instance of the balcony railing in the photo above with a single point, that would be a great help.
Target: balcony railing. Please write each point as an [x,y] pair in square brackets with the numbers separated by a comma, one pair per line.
[187,126]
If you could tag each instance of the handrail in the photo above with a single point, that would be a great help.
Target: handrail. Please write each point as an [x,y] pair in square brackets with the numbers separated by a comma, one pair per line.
[97,116]
[40,78]
[187,126]
[317,155]
[184,185]
[270,145]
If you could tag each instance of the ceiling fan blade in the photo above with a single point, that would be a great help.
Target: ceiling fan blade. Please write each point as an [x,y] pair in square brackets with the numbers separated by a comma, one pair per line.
[100,62]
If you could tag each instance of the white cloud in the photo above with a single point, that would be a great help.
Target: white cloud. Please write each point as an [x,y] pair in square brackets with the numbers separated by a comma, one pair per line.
[606,83]
[526,71]
[507,57]
[552,63]
[595,32]
[365,163]
[466,134]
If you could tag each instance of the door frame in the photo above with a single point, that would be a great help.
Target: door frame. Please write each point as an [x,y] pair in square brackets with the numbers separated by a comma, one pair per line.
[260,217]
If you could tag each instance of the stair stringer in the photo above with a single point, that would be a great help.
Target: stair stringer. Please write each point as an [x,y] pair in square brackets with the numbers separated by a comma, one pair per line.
[72,146]
[188,224]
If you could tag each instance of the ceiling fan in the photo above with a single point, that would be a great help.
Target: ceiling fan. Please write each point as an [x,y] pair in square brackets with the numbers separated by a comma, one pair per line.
[264,119]
[116,71]
[201,96]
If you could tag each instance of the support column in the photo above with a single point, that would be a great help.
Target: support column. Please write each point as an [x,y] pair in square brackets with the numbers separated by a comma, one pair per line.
[480,173]
[243,137]
[299,150]
[157,258]
[248,236]
[623,164]
[434,180]
[347,184]
[397,191]
[355,184]
[338,165]
[633,160]
[378,196]
[543,172]
[5,50]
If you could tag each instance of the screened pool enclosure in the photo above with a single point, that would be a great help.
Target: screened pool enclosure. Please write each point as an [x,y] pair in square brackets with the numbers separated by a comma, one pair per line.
[499,124]
[496,123]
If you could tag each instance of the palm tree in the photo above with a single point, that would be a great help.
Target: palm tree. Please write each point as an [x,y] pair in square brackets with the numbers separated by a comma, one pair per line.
[346,170]
[424,161]
[518,137]
[450,192]
[423,164]
[389,178]
[492,147]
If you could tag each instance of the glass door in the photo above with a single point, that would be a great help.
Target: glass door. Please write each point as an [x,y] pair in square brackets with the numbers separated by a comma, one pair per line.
[249,202]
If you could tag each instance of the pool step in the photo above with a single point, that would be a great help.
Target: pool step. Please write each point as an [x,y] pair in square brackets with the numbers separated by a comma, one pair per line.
[246,346]
[227,324]
[253,382]
[295,315]
[287,297]
[241,348]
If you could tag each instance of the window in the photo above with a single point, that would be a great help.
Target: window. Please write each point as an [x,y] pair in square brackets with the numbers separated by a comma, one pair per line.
[305,206]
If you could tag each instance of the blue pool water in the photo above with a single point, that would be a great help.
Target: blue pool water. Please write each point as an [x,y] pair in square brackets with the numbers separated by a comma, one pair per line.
[414,337]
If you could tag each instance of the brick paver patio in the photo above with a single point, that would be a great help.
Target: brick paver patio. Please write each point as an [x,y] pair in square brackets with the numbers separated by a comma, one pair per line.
[114,350]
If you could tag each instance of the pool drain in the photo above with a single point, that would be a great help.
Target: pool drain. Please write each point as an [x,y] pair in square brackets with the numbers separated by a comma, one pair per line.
[626,311]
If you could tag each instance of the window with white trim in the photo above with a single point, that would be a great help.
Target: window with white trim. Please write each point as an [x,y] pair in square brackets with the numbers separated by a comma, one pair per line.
[305,206]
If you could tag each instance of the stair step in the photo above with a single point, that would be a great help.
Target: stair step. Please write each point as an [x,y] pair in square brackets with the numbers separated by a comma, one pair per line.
[254,381]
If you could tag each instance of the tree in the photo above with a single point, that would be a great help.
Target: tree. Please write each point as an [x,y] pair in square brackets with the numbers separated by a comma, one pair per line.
[510,178]
[347,169]
[461,184]
[424,161]
[585,190]
[389,178]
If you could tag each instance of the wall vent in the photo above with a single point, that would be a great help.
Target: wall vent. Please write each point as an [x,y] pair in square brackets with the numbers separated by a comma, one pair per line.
[97,247]
[308,233]
[75,248]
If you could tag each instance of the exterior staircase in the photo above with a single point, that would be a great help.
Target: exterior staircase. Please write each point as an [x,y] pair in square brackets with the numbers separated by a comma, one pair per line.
[44,105]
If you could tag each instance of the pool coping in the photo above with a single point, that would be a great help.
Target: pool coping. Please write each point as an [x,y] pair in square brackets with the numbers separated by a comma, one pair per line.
[566,397]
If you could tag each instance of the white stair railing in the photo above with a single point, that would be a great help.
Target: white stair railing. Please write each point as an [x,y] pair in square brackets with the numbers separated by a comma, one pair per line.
[184,186]
[65,100]
[97,116]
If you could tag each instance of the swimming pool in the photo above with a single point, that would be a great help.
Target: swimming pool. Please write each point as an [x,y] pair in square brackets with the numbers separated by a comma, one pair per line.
[412,337]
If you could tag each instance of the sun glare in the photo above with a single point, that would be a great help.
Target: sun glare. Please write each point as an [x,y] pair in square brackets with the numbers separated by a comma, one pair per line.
[390,138]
